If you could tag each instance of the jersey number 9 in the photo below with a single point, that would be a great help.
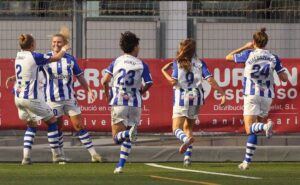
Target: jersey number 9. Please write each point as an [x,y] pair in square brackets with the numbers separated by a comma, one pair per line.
[189,78]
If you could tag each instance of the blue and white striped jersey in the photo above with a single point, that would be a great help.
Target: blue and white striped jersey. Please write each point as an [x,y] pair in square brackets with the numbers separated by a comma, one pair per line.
[188,90]
[26,70]
[127,74]
[59,78]
[260,65]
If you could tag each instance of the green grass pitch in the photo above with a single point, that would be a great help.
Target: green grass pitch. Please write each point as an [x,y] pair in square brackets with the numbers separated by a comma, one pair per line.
[141,174]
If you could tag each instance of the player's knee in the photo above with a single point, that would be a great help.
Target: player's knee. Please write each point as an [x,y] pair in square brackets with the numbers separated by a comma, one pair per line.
[78,127]
[174,128]
[32,124]
[51,120]
[248,131]
[186,127]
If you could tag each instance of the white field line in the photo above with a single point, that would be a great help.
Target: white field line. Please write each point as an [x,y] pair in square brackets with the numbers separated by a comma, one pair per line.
[200,171]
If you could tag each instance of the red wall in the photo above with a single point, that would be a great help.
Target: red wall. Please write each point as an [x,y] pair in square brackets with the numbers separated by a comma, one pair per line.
[157,108]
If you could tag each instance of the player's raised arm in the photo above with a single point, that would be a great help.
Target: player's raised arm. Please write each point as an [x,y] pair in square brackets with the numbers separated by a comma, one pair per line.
[60,54]
[231,55]
[164,70]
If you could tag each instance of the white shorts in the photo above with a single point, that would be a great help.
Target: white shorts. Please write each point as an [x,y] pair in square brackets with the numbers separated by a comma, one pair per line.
[125,114]
[190,112]
[66,107]
[33,109]
[257,105]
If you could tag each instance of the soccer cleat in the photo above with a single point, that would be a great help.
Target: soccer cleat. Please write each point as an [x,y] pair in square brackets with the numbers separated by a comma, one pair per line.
[244,166]
[118,170]
[58,159]
[67,159]
[26,161]
[185,145]
[269,127]
[97,158]
[133,133]
[187,163]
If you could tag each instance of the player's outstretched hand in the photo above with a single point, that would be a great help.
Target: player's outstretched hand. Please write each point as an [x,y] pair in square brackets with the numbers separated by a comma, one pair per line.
[91,96]
[223,100]
[9,80]
[66,47]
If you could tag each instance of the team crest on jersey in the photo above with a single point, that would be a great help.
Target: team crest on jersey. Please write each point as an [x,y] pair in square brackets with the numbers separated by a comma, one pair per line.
[125,96]
[262,89]
[191,97]
[19,89]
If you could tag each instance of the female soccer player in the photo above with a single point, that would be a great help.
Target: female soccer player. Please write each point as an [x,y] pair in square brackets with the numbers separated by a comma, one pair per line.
[59,93]
[126,73]
[187,77]
[258,88]
[31,107]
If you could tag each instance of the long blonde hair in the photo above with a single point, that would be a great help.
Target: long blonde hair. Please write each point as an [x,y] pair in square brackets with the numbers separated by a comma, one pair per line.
[185,53]
[64,33]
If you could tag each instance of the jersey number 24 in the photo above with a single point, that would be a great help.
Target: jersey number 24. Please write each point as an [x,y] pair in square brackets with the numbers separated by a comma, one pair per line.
[259,71]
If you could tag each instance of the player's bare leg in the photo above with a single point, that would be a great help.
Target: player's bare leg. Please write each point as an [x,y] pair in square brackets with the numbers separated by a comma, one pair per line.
[28,142]
[85,138]
[120,134]
[251,142]
[53,138]
[188,129]
[180,134]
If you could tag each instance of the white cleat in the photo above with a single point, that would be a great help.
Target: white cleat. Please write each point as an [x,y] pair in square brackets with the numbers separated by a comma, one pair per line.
[96,158]
[67,159]
[244,166]
[118,170]
[185,145]
[133,133]
[187,163]
[26,161]
[59,160]
[269,127]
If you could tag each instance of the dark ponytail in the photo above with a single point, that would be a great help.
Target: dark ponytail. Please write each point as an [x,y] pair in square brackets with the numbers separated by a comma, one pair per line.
[260,38]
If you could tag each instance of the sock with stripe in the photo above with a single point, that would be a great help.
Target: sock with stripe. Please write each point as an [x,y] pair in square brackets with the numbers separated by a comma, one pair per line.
[188,153]
[181,135]
[53,139]
[124,153]
[121,136]
[61,142]
[28,141]
[250,147]
[257,127]
[86,140]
